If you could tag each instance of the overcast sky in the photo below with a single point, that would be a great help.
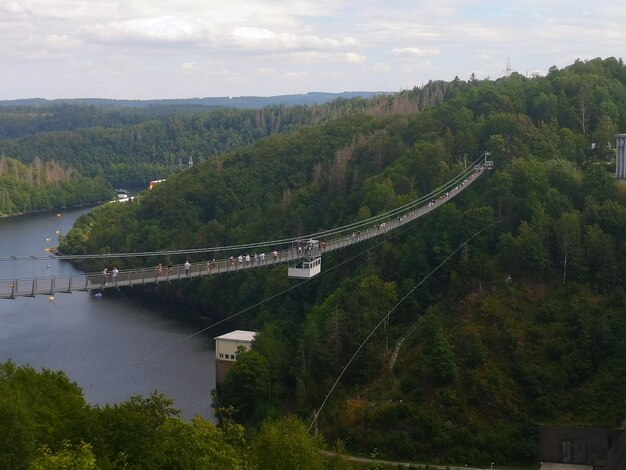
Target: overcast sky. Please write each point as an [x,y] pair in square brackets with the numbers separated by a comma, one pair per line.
[143,49]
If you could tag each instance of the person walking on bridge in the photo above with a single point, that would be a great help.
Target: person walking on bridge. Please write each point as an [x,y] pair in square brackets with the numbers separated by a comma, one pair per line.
[187,267]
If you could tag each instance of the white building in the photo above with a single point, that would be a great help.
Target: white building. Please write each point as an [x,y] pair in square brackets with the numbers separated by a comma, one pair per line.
[226,351]
[620,163]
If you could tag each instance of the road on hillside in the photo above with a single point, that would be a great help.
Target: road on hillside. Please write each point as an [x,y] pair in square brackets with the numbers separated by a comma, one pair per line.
[402,464]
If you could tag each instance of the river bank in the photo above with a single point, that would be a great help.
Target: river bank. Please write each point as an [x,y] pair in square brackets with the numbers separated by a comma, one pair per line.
[56,210]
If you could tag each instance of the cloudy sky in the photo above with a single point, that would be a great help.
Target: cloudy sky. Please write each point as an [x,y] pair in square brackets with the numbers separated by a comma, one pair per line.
[143,49]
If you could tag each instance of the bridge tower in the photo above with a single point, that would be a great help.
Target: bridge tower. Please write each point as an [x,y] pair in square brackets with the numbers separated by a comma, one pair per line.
[620,160]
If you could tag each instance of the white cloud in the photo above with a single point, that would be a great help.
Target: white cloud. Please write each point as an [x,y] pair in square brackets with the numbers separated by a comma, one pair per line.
[61,42]
[254,46]
[414,52]
[190,66]
[259,39]
[158,29]
[14,7]
[355,58]
[292,75]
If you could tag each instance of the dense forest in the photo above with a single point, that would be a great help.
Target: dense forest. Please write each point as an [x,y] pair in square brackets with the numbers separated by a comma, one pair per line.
[133,145]
[184,105]
[117,146]
[523,326]
[46,186]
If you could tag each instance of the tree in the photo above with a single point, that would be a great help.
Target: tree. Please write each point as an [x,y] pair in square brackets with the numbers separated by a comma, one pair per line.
[197,445]
[378,195]
[129,433]
[17,436]
[600,255]
[604,134]
[68,458]
[283,444]
[533,253]
[247,386]
[544,107]
[597,182]
[440,359]
[567,230]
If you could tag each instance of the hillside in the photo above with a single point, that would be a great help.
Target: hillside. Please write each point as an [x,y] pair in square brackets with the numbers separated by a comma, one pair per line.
[133,143]
[40,187]
[524,326]
[240,102]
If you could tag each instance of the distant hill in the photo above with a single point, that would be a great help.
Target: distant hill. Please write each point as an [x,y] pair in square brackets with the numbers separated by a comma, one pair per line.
[242,102]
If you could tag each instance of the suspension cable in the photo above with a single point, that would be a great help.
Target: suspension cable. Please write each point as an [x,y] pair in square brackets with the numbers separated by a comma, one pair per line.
[446,187]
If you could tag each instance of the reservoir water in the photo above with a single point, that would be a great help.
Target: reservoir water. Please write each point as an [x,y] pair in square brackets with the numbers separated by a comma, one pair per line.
[113,346]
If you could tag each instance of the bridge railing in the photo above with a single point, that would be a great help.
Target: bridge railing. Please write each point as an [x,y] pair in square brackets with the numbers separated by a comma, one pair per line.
[165,272]
[29,287]
[11,288]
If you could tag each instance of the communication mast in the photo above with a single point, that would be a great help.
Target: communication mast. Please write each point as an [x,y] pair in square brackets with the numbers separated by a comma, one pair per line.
[507,71]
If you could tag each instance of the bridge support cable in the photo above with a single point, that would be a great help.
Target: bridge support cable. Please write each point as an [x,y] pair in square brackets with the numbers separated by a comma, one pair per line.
[258,304]
[446,187]
[386,317]
[333,240]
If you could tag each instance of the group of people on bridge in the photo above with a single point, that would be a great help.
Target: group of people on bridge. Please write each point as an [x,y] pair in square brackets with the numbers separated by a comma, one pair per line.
[158,270]
[109,275]
[299,249]
[445,195]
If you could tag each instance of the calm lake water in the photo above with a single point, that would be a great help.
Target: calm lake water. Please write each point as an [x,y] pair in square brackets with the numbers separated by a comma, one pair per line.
[114,346]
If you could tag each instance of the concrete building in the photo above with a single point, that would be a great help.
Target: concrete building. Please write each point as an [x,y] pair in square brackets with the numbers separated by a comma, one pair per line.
[226,351]
[582,448]
[620,163]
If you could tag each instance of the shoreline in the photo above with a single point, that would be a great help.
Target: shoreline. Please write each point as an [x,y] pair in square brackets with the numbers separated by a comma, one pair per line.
[41,211]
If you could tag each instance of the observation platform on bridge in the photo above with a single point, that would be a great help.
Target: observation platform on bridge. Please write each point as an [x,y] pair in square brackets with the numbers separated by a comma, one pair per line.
[356,233]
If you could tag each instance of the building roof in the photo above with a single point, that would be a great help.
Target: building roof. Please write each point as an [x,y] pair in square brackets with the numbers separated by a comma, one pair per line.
[238,335]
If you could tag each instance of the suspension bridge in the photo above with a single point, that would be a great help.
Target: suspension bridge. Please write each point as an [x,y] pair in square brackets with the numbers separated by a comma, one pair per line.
[302,254]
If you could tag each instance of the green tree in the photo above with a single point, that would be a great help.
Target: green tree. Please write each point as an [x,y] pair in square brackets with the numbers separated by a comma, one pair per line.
[17,436]
[247,386]
[80,457]
[599,183]
[567,230]
[534,254]
[129,433]
[440,359]
[283,444]
[600,251]
[196,445]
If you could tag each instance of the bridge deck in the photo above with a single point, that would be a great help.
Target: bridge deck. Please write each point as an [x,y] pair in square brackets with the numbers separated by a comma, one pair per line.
[26,287]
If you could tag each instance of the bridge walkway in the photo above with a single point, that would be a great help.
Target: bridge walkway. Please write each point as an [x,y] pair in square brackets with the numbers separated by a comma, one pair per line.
[51,285]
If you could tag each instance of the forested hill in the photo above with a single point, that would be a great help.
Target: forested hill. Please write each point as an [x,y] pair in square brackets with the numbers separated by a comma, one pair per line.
[31,116]
[46,186]
[241,102]
[132,145]
[525,325]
